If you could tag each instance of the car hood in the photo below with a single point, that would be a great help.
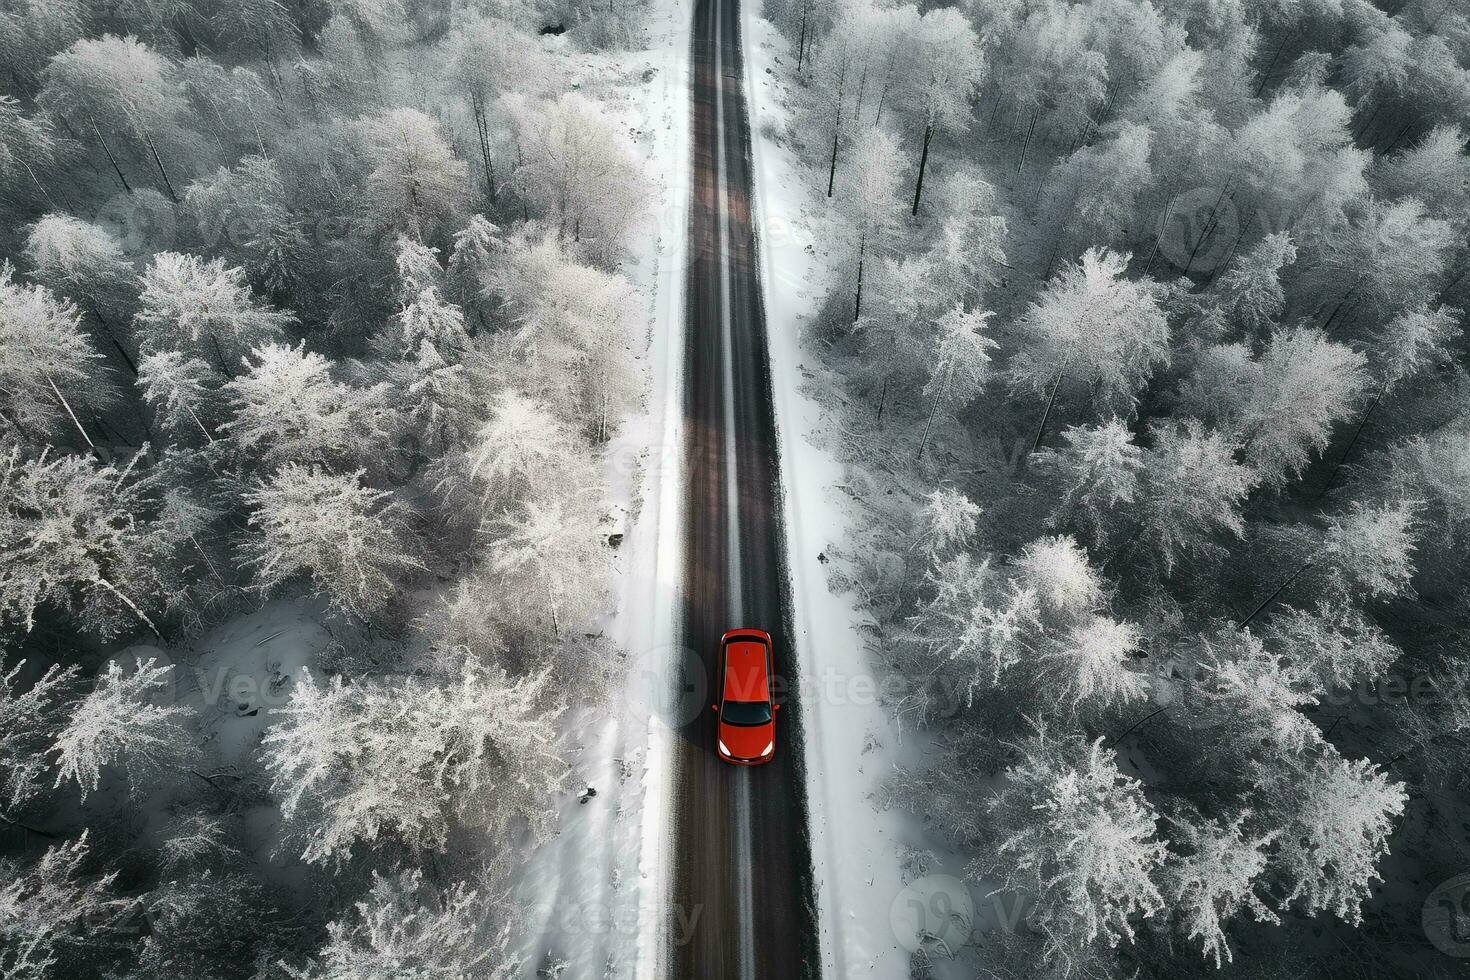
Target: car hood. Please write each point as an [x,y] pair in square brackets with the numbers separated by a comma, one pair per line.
[747,741]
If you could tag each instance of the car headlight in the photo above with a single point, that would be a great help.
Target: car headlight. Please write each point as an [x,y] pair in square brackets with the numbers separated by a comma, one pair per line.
[769,749]
[724,749]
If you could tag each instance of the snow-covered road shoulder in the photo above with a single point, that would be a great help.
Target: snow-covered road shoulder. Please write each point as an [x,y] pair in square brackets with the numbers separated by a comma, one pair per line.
[595,899]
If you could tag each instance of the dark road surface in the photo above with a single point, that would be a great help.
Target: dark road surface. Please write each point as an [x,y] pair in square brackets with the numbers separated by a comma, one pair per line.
[742,854]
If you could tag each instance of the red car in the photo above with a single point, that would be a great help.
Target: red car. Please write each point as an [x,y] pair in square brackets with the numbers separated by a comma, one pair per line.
[746,732]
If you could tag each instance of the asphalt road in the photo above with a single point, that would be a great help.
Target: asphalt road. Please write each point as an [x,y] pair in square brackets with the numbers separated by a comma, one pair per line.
[742,851]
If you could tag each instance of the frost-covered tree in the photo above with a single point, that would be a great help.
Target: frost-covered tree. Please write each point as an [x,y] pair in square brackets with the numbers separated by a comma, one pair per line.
[1302,385]
[1250,697]
[244,213]
[1335,816]
[947,520]
[1213,877]
[289,409]
[416,185]
[195,840]
[1250,289]
[182,392]
[869,203]
[1436,170]
[977,620]
[1081,841]
[1436,469]
[29,718]
[351,540]
[1295,160]
[84,262]
[1094,192]
[204,921]
[1392,257]
[120,723]
[1186,138]
[69,539]
[575,330]
[959,364]
[118,87]
[1334,641]
[1099,469]
[578,172]
[523,452]
[1089,663]
[52,907]
[1054,73]
[1192,488]
[554,563]
[46,362]
[352,763]
[26,142]
[969,256]
[1412,342]
[431,329]
[1096,329]
[948,68]
[492,58]
[1282,406]
[1057,570]
[1370,549]
[203,308]
[406,929]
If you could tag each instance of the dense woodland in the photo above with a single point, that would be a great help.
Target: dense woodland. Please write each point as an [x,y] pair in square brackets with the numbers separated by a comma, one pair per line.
[313,303]
[1147,342]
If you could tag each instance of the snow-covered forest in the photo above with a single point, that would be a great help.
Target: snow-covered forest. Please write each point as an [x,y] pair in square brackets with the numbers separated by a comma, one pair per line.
[311,323]
[1145,349]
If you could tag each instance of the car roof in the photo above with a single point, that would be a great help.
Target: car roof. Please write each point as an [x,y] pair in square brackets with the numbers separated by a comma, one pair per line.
[747,677]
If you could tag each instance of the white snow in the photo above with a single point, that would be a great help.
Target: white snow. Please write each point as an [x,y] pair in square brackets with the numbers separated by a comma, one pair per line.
[850,744]
[597,897]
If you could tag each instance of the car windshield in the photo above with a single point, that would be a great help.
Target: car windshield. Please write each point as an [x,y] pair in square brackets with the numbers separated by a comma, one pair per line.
[746,712]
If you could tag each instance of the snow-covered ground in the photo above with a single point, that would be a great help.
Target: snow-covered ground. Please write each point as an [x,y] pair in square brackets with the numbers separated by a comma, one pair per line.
[851,745]
[594,899]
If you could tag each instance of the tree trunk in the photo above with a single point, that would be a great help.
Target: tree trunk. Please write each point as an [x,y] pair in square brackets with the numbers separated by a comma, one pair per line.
[1266,75]
[39,186]
[220,356]
[207,434]
[832,171]
[61,398]
[857,306]
[836,128]
[1025,147]
[1338,308]
[1362,424]
[148,138]
[1209,227]
[1272,597]
[107,330]
[923,161]
[882,397]
[1050,401]
[482,129]
[801,40]
[929,422]
[111,159]
[27,827]
[99,580]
